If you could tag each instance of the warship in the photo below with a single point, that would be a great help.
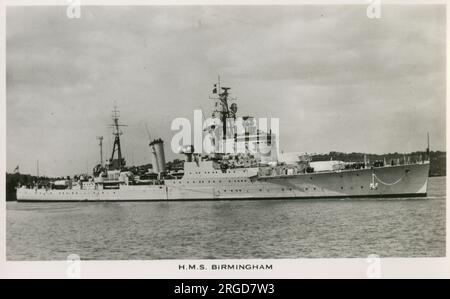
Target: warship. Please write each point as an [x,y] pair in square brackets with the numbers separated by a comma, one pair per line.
[239,161]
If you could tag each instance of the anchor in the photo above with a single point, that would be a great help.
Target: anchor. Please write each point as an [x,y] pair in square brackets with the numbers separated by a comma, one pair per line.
[373,185]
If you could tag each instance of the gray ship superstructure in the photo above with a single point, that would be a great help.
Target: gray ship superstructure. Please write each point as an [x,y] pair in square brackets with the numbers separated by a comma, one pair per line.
[235,165]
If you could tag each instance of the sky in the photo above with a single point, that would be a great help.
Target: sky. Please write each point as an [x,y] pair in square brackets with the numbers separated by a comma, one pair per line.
[336,79]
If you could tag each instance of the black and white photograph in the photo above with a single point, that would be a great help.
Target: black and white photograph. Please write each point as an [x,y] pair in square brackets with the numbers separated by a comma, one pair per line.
[225,132]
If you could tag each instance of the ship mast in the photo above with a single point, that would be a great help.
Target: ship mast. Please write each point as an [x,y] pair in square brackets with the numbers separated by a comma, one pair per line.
[120,162]
[222,110]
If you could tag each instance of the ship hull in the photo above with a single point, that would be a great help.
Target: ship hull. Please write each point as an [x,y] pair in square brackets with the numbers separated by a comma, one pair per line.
[391,181]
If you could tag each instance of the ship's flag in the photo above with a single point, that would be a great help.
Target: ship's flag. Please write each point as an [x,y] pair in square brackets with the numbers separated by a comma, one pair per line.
[16,170]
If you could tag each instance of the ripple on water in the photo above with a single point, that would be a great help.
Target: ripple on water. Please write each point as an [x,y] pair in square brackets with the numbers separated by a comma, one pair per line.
[413,227]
